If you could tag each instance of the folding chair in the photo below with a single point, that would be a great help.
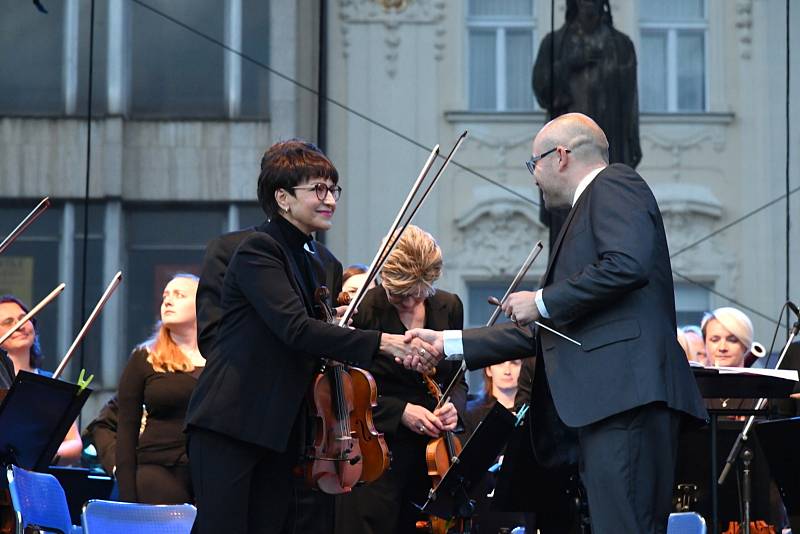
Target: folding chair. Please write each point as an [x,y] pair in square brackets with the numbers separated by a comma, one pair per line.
[686,523]
[39,502]
[111,517]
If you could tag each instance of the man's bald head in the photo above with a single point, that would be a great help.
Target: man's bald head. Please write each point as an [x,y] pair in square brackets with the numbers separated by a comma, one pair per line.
[578,133]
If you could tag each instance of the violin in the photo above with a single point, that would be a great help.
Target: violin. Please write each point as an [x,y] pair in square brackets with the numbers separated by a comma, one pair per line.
[336,462]
[440,453]
[375,456]
[347,449]
[341,397]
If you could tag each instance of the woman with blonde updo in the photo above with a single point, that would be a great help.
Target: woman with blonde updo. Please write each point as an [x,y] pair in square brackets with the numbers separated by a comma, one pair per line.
[728,334]
[406,411]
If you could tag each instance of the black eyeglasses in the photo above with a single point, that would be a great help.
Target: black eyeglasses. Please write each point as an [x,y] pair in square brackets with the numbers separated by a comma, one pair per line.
[322,190]
[531,163]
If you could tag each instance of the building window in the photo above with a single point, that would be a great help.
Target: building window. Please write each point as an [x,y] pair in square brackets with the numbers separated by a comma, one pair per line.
[30,269]
[145,65]
[500,51]
[672,56]
[175,73]
[691,302]
[154,256]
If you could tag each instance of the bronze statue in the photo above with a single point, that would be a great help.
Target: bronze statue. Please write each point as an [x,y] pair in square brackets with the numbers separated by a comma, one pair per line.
[589,67]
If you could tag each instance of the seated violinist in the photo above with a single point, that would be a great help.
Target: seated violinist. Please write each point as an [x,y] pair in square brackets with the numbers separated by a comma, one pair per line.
[25,353]
[406,411]
[352,279]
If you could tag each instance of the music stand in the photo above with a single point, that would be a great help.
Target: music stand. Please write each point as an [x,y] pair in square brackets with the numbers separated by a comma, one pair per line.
[35,417]
[451,497]
[779,441]
[713,384]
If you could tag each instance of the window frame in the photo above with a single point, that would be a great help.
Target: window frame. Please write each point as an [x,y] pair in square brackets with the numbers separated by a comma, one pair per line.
[499,24]
[671,30]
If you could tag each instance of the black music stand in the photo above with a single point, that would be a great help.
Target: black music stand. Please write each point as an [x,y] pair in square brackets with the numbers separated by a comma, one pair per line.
[35,417]
[451,498]
[779,441]
[712,385]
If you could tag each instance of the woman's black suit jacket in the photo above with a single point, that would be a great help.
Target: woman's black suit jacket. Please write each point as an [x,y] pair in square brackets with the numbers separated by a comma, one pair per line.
[268,346]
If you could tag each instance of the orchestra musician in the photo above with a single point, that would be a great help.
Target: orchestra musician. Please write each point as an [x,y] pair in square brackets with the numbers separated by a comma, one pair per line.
[247,418]
[161,374]
[406,411]
[352,279]
[24,352]
[616,401]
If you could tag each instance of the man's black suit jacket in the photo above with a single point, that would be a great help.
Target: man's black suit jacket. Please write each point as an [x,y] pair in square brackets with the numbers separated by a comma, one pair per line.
[267,347]
[608,285]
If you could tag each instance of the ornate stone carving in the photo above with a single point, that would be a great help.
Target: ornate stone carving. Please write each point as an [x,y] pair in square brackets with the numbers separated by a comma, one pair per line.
[678,143]
[744,26]
[393,14]
[493,237]
[500,144]
[691,212]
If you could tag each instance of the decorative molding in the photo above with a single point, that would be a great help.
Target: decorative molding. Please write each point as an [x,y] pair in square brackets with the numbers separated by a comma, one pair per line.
[690,212]
[744,27]
[501,145]
[676,145]
[393,14]
[494,236]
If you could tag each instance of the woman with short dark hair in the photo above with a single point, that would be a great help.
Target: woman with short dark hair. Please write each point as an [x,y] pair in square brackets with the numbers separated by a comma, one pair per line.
[249,416]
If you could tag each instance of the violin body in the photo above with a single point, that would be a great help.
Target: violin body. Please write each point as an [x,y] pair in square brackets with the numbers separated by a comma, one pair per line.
[374,451]
[336,461]
[439,455]
[347,449]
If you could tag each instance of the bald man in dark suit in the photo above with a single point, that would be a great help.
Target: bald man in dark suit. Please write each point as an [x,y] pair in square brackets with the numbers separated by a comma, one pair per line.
[613,403]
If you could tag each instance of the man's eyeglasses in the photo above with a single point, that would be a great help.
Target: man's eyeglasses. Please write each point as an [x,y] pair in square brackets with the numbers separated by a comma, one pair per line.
[531,163]
[322,190]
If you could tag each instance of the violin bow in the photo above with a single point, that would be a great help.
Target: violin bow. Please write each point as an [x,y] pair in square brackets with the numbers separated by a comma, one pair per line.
[534,253]
[27,221]
[394,235]
[112,286]
[28,316]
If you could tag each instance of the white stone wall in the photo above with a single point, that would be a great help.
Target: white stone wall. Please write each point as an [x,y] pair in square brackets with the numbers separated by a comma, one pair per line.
[407,71]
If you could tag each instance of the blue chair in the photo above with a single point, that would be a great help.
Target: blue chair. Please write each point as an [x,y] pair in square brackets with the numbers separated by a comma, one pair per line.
[111,517]
[39,502]
[686,523]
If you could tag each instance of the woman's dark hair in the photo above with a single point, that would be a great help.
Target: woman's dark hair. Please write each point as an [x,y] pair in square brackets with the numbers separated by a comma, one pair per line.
[36,349]
[287,164]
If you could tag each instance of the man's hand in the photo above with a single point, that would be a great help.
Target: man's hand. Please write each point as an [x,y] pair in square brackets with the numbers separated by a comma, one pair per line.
[521,308]
[422,359]
[397,346]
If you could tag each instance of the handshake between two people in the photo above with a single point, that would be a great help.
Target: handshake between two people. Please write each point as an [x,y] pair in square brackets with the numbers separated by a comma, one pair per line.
[419,349]
[422,349]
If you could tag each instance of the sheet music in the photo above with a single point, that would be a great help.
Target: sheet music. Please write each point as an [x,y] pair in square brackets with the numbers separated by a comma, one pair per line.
[786,374]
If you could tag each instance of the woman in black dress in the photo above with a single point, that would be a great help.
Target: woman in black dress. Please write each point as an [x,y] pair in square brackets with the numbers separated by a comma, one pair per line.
[152,466]
[406,411]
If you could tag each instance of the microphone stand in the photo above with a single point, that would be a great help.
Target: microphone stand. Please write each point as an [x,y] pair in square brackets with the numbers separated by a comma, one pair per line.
[741,439]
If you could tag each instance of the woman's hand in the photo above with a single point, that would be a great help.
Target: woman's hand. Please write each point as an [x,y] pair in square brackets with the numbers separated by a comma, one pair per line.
[420,420]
